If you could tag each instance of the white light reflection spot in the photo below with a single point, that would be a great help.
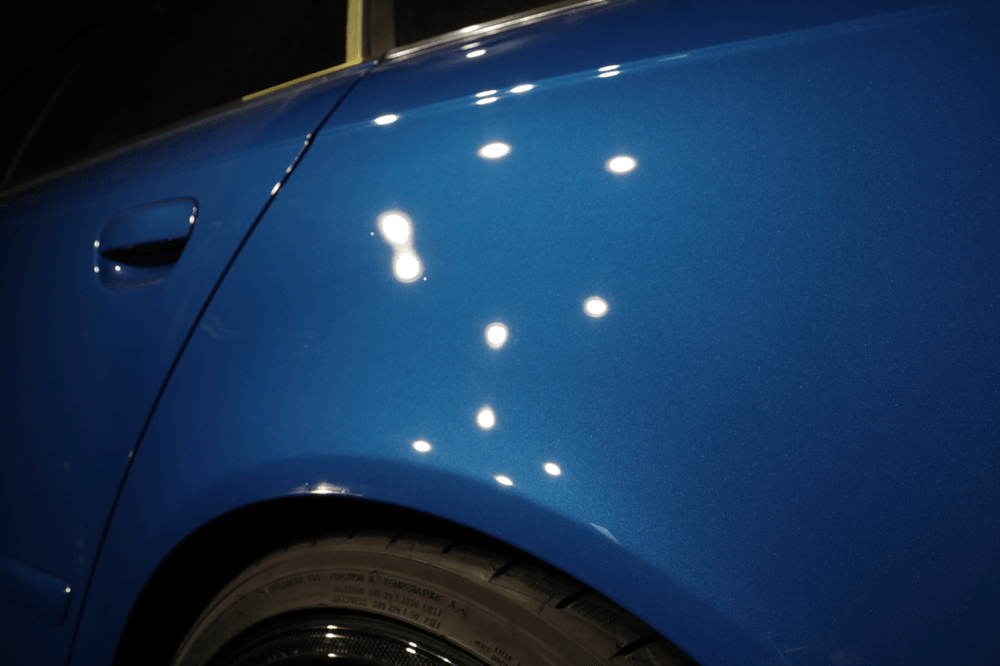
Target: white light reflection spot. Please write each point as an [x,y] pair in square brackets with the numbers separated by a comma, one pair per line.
[274,190]
[522,88]
[327,489]
[330,626]
[503,480]
[330,636]
[395,228]
[475,54]
[486,418]
[422,446]
[496,335]
[413,644]
[486,93]
[595,307]
[332,656]
[469,28]
[552,469]
[68,590]
[97,243]
[492,151]
[486,100]
[605,75]
[387,119]
[605,531]
[97,269]
[620,164]
[607,68]
[407,267]
[118,269]
[191,219]
[411,650]
[466,47]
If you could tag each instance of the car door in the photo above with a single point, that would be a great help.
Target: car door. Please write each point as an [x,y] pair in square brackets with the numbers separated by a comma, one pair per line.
[104,270]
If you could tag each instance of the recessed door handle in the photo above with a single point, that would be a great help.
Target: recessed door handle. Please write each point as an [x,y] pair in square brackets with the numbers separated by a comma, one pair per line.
[139,247]
[153,253]
[157,231]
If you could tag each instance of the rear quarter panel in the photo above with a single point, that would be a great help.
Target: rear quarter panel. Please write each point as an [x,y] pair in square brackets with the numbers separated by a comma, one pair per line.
[779,445]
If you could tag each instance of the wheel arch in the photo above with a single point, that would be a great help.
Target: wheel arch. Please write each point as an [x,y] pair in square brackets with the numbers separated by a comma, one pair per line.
[203,563]
[177,540]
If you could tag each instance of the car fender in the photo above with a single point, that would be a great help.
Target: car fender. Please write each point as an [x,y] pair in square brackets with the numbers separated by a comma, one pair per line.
[774,440]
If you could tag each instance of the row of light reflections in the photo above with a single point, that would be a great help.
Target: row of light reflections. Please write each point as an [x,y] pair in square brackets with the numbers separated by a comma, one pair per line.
[616,164]
[397,230]
[498,149]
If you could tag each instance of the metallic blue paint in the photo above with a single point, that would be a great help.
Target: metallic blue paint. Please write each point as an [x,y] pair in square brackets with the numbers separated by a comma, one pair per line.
[780,442]
[44,596]
[80,375]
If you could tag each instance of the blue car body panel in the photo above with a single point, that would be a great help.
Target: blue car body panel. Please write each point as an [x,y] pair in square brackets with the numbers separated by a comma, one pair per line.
[87,342]
[778,445]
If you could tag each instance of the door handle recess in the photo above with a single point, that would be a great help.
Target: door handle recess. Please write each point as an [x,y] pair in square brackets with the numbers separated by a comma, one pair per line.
[154,253]
[139,247]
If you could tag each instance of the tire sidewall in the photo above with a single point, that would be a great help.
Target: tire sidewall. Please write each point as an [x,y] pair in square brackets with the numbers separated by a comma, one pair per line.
[495,625]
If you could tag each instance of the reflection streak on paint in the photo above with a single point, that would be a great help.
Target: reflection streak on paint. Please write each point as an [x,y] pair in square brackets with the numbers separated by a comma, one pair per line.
[492,151]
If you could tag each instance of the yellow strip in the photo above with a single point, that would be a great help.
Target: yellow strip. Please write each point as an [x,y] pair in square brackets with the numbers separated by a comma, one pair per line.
[354,55]
[355,31]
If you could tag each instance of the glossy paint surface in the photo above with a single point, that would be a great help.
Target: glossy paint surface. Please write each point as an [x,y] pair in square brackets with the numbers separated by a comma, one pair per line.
[85,349]
[705,317]
[46,597]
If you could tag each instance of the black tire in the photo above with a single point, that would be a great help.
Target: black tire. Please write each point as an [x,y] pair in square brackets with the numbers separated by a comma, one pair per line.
[369,596]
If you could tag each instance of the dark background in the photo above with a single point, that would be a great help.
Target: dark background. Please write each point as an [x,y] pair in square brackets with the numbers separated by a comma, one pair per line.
[79,78]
